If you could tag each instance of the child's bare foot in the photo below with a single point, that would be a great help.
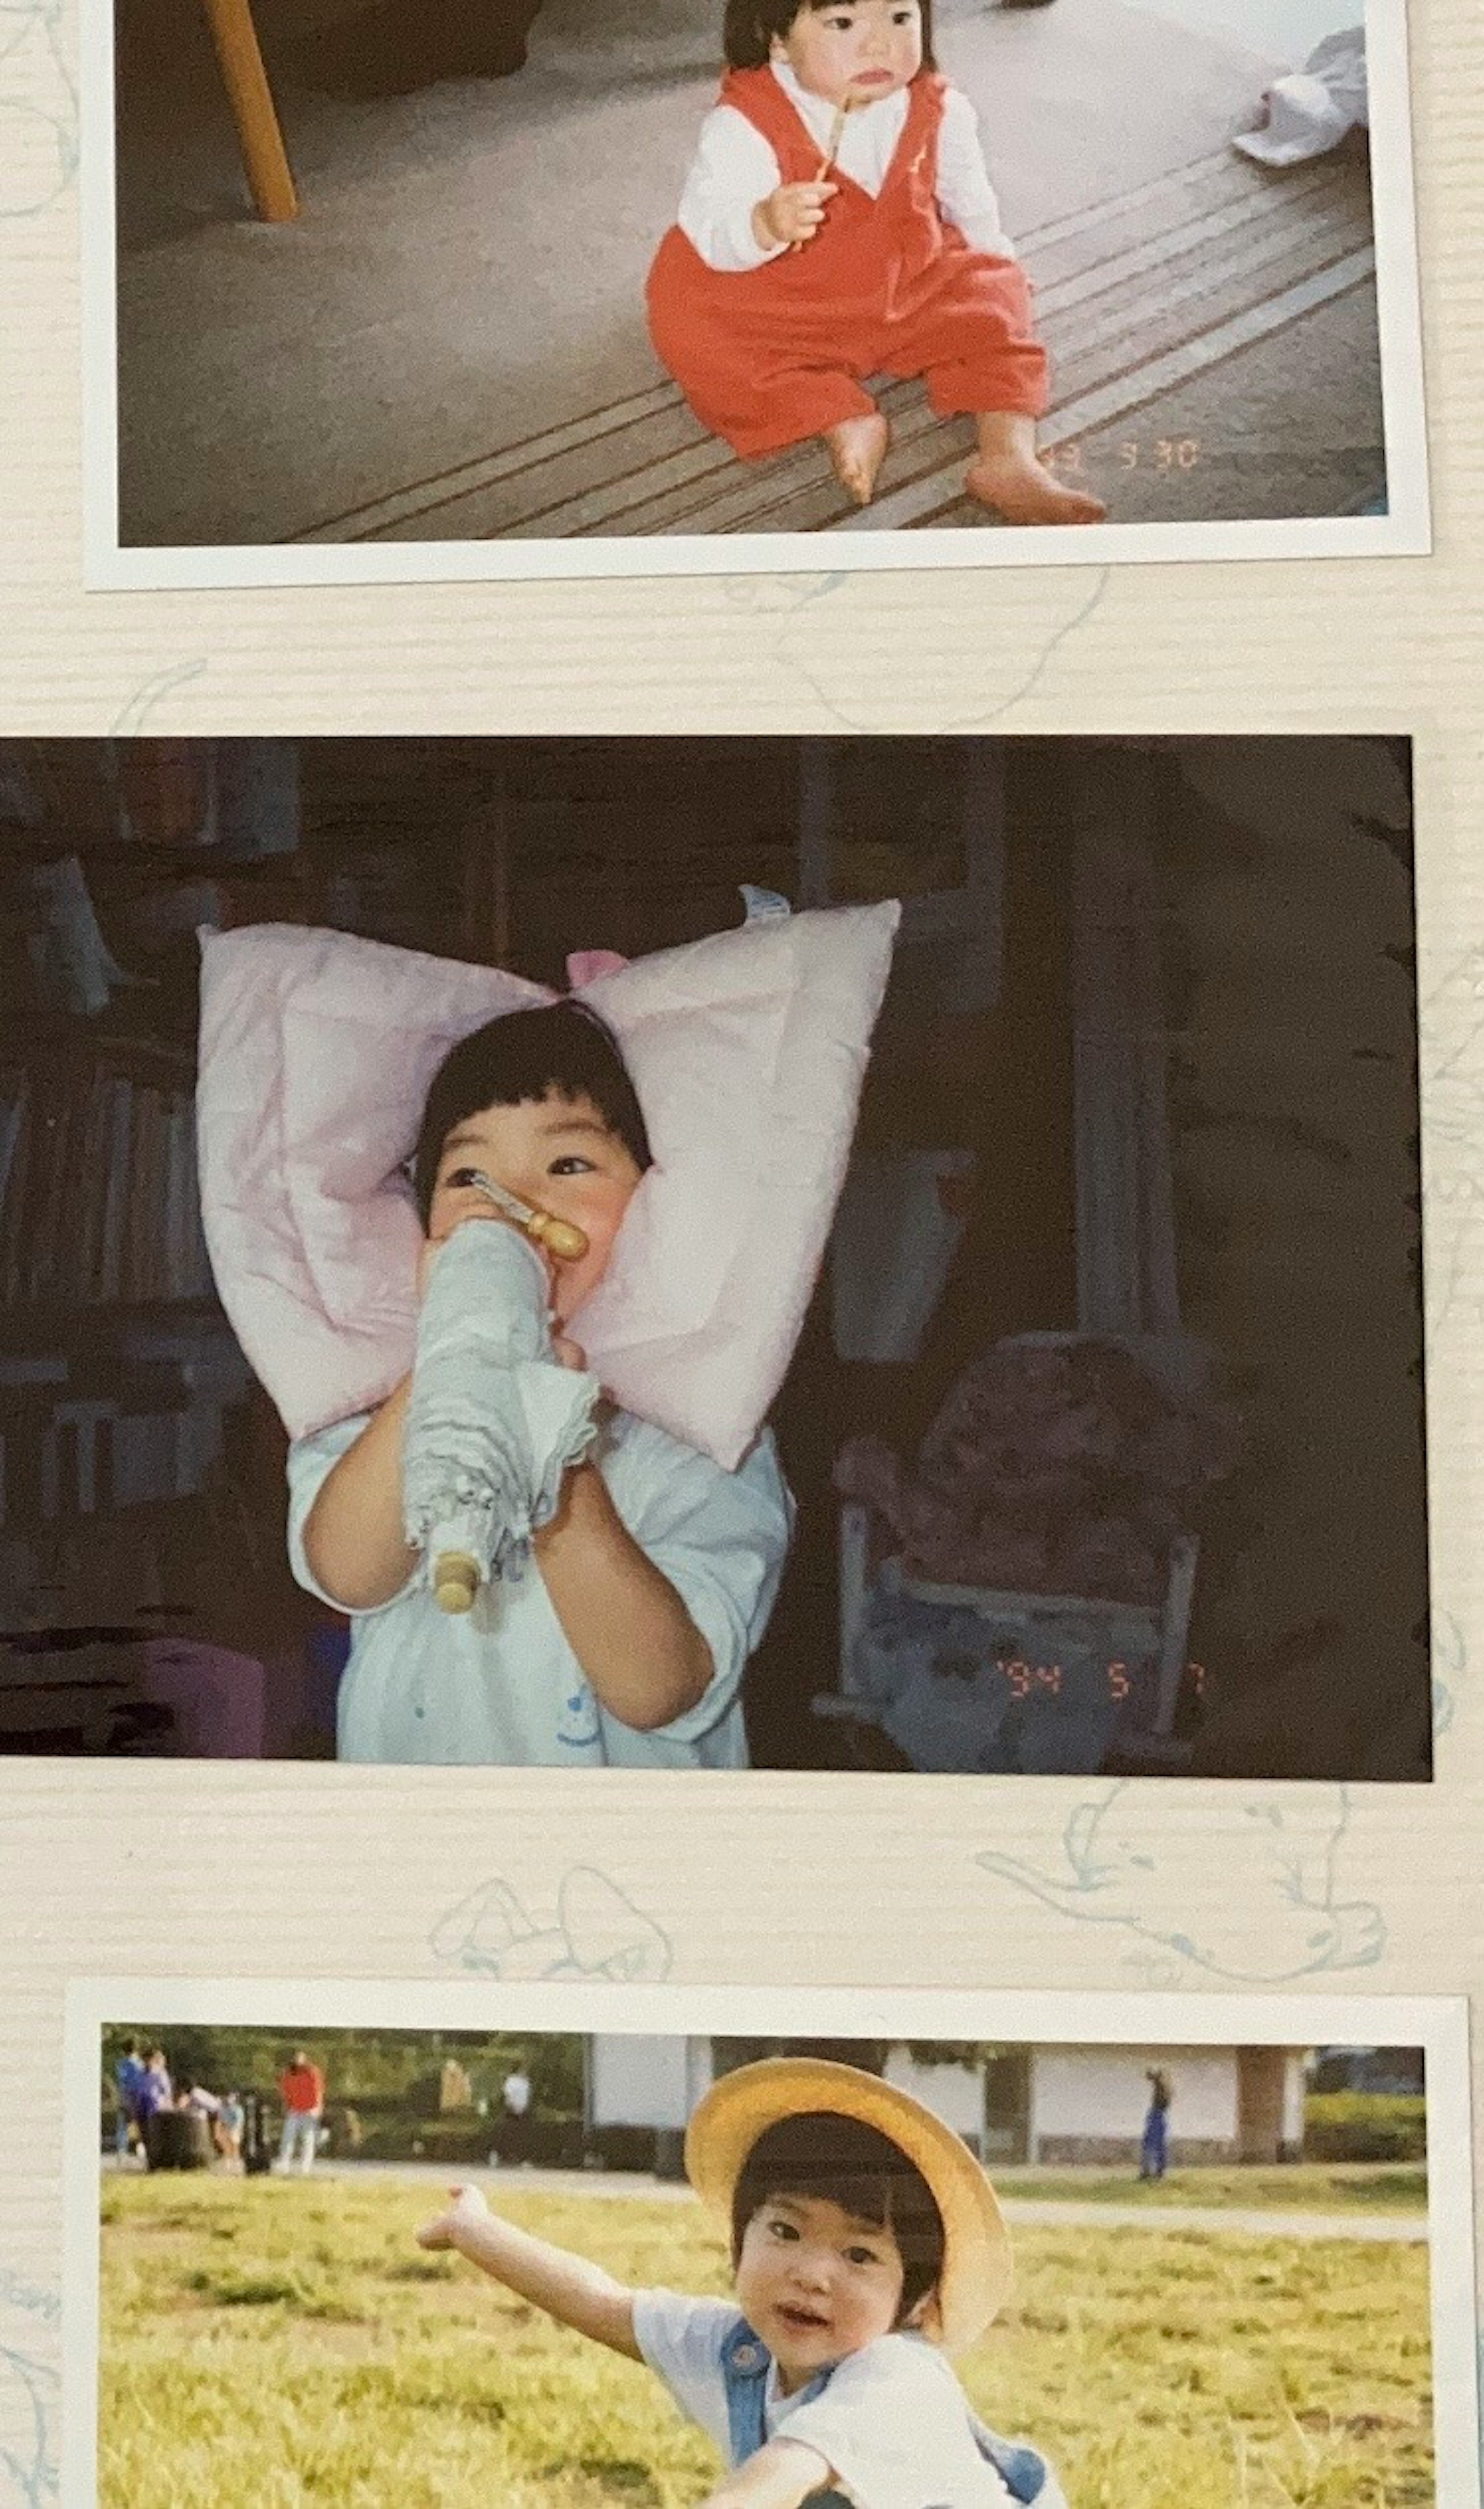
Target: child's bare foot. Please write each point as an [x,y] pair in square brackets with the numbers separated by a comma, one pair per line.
[1018,486]
[858,449]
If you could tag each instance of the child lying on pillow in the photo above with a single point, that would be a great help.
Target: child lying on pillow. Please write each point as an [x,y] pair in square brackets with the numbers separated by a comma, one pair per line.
[624,1639]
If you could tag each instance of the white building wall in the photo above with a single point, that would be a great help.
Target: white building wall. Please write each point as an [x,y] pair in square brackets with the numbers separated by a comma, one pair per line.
[1074,2091]
[1293,2099]
[643,2082]
[700,2071]
[954,2092]
[1102,2092]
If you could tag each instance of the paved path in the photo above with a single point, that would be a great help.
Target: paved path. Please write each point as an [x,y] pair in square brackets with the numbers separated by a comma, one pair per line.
[1247,2224]
[1035,2212]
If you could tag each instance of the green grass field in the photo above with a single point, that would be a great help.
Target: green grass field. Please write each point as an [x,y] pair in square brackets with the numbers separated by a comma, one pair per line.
[278,2342]
[1333,2186]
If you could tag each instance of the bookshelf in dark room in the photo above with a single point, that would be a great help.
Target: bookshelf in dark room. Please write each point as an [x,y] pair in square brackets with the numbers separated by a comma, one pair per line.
[138,1609]
[143,1491]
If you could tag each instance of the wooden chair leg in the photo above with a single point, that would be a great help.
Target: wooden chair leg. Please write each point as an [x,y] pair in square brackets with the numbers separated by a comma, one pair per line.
[265,160]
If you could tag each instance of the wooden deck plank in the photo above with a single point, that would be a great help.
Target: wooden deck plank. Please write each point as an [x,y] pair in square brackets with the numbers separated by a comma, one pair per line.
[551,495]
[424,496]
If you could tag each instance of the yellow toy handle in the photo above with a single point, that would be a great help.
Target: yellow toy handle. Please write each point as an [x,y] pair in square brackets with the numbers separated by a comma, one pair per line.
[562,1238]
[454,1581]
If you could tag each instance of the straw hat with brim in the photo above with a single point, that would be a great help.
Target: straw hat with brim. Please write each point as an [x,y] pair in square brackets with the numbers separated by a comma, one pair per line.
[976,2270]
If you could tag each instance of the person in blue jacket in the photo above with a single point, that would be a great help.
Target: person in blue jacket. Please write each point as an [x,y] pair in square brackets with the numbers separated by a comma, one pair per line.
[128,2075]
[1154,2144]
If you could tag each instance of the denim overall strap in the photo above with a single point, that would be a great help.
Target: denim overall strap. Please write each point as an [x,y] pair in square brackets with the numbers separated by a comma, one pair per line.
[1021,2470]
[745,2364]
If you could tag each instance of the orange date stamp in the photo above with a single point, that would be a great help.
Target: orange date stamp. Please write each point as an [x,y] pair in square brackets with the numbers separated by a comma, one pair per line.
[1162,456]
[1023,1677]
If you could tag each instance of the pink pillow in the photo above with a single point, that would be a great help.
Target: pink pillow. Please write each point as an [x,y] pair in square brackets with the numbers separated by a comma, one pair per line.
[747,1050]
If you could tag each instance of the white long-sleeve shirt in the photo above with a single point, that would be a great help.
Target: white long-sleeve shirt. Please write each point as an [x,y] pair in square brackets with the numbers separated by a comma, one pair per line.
[735,167]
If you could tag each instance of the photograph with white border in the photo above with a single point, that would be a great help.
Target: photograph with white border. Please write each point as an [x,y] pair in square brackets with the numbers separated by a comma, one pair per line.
[383,296]
[553,2244]
[986,1334]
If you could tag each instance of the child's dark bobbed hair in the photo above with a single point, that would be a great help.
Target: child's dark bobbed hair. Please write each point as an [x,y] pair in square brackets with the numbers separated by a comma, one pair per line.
[563,1050]
[845,2162]
[750,26]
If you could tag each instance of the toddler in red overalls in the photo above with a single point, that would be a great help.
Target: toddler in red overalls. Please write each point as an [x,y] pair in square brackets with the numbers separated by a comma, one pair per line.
[787,279]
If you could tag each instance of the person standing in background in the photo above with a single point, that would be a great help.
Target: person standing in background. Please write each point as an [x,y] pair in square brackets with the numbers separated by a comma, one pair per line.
[1154,2146]
[128,2075]
[230,2118]
[154,2090]
[301,2088]
[200,2102]
[515,2129]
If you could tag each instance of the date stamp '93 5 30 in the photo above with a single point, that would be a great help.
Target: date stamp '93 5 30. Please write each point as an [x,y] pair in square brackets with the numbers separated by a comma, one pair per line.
[1162,455]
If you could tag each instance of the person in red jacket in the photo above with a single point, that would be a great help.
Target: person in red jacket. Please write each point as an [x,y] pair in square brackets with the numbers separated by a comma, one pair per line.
[301,2088]
[838,222]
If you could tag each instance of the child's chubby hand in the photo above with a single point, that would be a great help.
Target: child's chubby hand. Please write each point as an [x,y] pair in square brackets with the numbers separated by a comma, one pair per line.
[465,2210]
[564,1350]
[791,214]
[479,1208]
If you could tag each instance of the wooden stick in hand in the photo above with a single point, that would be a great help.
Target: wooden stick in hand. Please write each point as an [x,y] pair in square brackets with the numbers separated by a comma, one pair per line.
[826,165]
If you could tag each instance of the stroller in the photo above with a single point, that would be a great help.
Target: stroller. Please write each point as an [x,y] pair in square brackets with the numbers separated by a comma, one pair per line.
[257,2157]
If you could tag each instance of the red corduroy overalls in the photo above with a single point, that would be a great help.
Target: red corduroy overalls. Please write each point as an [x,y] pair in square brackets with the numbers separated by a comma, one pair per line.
[767,357]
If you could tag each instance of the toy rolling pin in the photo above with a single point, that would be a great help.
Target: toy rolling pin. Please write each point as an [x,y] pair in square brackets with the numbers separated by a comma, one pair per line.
[560,1237]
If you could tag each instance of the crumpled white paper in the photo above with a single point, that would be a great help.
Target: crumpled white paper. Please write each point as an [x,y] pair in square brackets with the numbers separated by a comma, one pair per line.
[1310,112]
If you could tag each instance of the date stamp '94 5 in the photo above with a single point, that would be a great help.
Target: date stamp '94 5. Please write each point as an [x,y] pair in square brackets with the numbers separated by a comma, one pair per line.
[1024,1677]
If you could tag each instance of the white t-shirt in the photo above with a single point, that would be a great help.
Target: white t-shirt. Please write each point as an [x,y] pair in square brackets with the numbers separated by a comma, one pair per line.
[735,167]
[500,1685]
[891,2424]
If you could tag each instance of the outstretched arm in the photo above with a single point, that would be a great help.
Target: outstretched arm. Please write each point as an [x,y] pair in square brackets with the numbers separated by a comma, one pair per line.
[779,2477]
[567,2287]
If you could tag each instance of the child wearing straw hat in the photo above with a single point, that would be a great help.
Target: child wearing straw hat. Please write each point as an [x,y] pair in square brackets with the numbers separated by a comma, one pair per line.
[866,2245]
